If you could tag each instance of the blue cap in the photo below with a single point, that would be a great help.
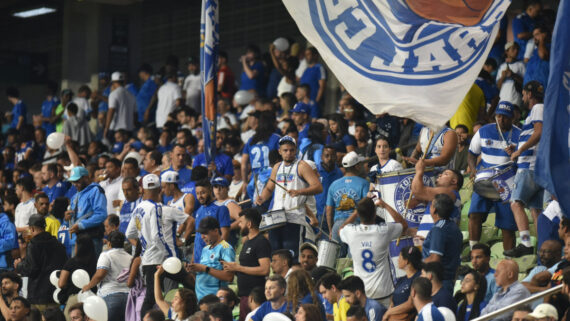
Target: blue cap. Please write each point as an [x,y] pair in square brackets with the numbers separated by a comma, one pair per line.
[301,108]
[287,139]
[77,172]
[505,108]
[220,181]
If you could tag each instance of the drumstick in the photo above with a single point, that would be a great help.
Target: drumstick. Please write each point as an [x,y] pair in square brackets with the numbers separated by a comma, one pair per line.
[501,133]
[244,202]
[412,193]
[279,185]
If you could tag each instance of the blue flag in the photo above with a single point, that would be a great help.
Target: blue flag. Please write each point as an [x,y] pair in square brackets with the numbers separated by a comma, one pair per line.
[553,161]
[209,38]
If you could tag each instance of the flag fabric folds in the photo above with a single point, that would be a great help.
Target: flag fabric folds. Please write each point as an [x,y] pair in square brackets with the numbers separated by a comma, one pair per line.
[552,169]
[209,38]
[410,58]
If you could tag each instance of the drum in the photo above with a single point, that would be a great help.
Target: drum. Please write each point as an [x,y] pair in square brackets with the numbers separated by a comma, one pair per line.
[272,220]
[495,184]
[395,189]
[395,249]
[328,253]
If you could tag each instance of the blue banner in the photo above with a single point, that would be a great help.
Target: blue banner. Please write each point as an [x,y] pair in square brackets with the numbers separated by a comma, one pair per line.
[552,169]
[209,38]
[403,57]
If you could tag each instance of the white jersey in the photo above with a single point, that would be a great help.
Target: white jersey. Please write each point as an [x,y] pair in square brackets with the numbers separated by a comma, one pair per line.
[113,189]
[390,166]
[369,246]
[436,145]
[171,219]
[152,224]
[178,203]
[288,177]
[23,212]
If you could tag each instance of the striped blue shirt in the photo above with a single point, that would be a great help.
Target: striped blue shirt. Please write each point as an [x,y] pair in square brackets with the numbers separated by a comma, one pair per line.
[488,143]
[426,223]
[430,313]
[527,159]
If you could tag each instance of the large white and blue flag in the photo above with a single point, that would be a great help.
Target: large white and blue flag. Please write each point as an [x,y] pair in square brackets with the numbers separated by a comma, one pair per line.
[209,39]
[410,58]
[552,169]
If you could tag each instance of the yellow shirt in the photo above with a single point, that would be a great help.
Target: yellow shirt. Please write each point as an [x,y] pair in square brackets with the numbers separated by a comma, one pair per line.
[469,108]
[52,225]
[339,309]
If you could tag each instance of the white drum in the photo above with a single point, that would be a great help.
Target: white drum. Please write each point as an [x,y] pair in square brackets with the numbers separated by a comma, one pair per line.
[272,219]
[328,253]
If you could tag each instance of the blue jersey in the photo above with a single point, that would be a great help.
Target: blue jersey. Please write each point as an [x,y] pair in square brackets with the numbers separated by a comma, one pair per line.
[303,133]
[126,212]
[522,23]
[184,175]
[537,68]
[265,309]
[345,193]
[256,83]
[311,76]
[220,213]
[65,238]
[488,143]
[103,105]
[18,110]
[223,163]
[259,152]
[71,192]
[47,108]
[374,310]
[117,148]
[132,88]
[430,313]
[144,96]
[57,190]
[527,159]
[445,240]
[211,257]
[327,178]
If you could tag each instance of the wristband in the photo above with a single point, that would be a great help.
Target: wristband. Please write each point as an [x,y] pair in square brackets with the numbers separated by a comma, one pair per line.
[207,270]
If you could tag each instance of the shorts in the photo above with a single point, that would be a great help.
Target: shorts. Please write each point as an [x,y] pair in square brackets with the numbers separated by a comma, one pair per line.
[526,190]
[504,218]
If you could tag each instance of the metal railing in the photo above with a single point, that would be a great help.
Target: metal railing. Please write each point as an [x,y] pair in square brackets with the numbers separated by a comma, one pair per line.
[513,306]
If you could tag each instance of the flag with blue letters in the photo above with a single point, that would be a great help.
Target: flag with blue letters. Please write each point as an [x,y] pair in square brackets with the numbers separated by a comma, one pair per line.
[552,169]
[209,38]
[410,58]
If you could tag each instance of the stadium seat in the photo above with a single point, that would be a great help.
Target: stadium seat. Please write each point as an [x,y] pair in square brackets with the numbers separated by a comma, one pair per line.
[525,263]
[497,250]
[342,264]
[490,235]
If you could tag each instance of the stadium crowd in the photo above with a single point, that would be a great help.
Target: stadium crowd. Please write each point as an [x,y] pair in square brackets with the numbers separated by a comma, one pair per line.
[107,193]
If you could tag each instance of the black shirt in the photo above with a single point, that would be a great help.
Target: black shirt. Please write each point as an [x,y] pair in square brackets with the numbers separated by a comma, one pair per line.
[251,252]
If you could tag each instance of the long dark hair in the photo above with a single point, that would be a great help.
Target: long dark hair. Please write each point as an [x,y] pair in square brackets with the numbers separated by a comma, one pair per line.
[265,127]
[342,125]
[315,133]
[479,297]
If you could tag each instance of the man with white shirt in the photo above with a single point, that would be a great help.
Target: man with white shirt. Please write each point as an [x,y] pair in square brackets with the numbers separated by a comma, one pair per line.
[82,99]
[226,119]
[122,107]
[112,185]
[510,75]
[281,262]
[526,192]
[151,222]
[168,96]
[192,85]
[26,207]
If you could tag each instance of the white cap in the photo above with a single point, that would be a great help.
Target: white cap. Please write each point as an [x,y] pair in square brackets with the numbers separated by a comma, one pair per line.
[151,181]
[117,76]
[169,177]
[544,310]
[351,159]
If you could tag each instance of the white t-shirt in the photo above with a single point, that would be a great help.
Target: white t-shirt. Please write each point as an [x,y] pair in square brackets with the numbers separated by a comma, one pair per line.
[113,189]
[222,123]
[301,69]
[390,166]
[192,86]
[285,87]
[23,212]
[171,218]
[82,103]
[508,91]
[125,107]
[529,48]
[369,246]
[114,261]
[167,96]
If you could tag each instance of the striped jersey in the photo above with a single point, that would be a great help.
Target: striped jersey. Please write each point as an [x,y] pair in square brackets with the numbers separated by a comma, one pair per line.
[527,159]
[430,313]
[426,222]
[488,143]
[435,148]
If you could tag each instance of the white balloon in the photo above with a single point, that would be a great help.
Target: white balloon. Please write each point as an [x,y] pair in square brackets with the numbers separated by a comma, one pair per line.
[55,293]
[243,97]
[54,279]
[80,278]
[95,308]
[82,296]
[275,316]
[281,44]
[134,155]
[172,265]
[55,140]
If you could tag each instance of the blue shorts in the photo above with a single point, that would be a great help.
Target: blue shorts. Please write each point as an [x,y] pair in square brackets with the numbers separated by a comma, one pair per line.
[526,190]
[504,218]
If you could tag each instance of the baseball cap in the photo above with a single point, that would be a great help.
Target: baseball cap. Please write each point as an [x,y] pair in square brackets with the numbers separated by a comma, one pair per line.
[505,108]
[542,311]
[207,224]
[77,172]
[535,88]
[37,220]
[301,108]
[311,246]
[287,140]
[351,159]
[220,181]
[117,76]
[169,177]
[151,181]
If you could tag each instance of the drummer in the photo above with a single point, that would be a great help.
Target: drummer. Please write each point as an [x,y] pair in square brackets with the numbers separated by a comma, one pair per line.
[440,151]
[495,143]
[291,182]
[385,163]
